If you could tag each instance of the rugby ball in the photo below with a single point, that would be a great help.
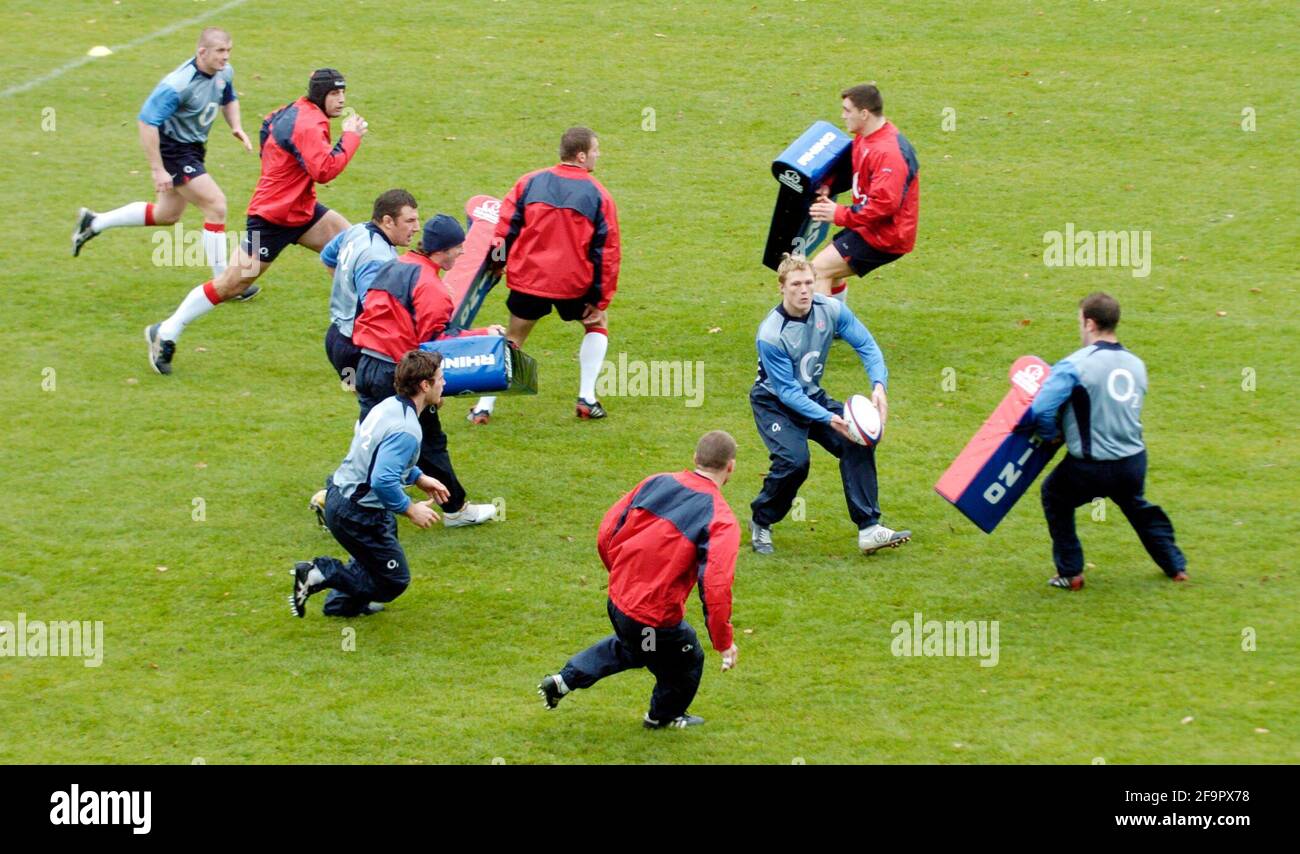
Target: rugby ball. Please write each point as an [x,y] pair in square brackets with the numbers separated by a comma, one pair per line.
[863,419]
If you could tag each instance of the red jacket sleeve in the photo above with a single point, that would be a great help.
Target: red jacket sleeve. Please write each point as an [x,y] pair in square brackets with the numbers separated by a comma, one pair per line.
[888,177]
[323,162]
[611,253]
[607,525]
[507,211]
[715,581]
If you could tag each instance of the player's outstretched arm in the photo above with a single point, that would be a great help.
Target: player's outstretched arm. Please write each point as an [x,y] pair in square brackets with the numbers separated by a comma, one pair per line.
[857,336]
[162,179]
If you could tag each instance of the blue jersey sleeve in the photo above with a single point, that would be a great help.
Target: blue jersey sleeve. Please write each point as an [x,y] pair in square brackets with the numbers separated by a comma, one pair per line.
[160,106]
[228,94]
[329,256]
[1051,397]
[386,476]
[780,371]
[363,277]
[857,336]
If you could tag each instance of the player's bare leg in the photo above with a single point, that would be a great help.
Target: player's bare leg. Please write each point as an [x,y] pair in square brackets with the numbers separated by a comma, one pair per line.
[832,273]
[204,194]
[323,231]
[233,281]
[165,209]
[517,332]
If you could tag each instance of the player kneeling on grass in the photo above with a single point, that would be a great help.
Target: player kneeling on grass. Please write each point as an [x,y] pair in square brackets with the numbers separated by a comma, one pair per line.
[1105,386]
[670,534]
[366,491]
[790,407]
[404,304]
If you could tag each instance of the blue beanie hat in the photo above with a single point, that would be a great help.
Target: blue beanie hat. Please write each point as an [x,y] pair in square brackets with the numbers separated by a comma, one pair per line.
[441,232]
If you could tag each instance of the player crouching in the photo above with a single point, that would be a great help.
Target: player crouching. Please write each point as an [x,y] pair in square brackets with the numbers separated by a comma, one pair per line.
[366,491]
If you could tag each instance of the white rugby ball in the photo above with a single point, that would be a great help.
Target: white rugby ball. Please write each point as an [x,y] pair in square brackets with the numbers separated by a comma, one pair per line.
[863,419]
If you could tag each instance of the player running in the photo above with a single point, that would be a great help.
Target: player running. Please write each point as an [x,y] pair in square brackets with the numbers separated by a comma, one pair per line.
[296,155]
[672,533]
[880,226]
[559,232]
[790,407]
[174,125]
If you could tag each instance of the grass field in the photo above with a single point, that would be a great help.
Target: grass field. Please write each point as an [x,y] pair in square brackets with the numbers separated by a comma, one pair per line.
[1107,115]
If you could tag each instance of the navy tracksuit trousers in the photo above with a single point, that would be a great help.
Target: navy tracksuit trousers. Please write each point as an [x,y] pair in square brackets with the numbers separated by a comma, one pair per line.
[672,654]
[786,435]
[1076,481]
[377,572]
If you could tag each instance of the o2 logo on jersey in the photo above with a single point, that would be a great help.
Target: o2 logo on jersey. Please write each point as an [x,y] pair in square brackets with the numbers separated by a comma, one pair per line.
[804,366]
[1123,378]
[209,113]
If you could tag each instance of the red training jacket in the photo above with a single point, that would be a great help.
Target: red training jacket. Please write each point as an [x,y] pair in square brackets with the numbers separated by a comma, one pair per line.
[385,326]
[296,155]
[560,229]
[886,191]
[672,532]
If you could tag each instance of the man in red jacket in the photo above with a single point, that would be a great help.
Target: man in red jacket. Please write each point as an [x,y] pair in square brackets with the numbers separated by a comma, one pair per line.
[880,225]
[559,234]
[296,155]
[670,534]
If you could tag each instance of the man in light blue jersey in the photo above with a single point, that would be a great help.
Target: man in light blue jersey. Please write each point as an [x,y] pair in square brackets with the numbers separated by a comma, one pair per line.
[1097,392]
[353,256]
[174,125]
[790,407]
[366,492]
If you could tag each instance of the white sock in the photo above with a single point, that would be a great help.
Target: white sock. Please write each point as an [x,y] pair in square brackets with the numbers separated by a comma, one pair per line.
[843,293]
[196,304]
[214,248]
[132,214]
[485,404]
[315,577]
[590,357]
[559,683]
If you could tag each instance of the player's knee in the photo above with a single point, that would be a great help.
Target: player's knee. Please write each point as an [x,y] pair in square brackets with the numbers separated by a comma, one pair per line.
[163,215]
[214,210]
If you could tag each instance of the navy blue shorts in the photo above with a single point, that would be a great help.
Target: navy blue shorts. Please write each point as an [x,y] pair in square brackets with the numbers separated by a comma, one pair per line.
[272,238]
[530,307]
[860,255]
[184,160]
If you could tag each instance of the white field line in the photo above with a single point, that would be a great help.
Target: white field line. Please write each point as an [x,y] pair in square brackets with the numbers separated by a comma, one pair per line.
[77,63]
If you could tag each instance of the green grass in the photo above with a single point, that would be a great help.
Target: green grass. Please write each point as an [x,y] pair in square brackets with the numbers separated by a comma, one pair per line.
[1082,112]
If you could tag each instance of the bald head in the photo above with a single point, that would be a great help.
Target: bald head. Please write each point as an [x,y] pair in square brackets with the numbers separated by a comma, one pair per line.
[213,37]
[214,50]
